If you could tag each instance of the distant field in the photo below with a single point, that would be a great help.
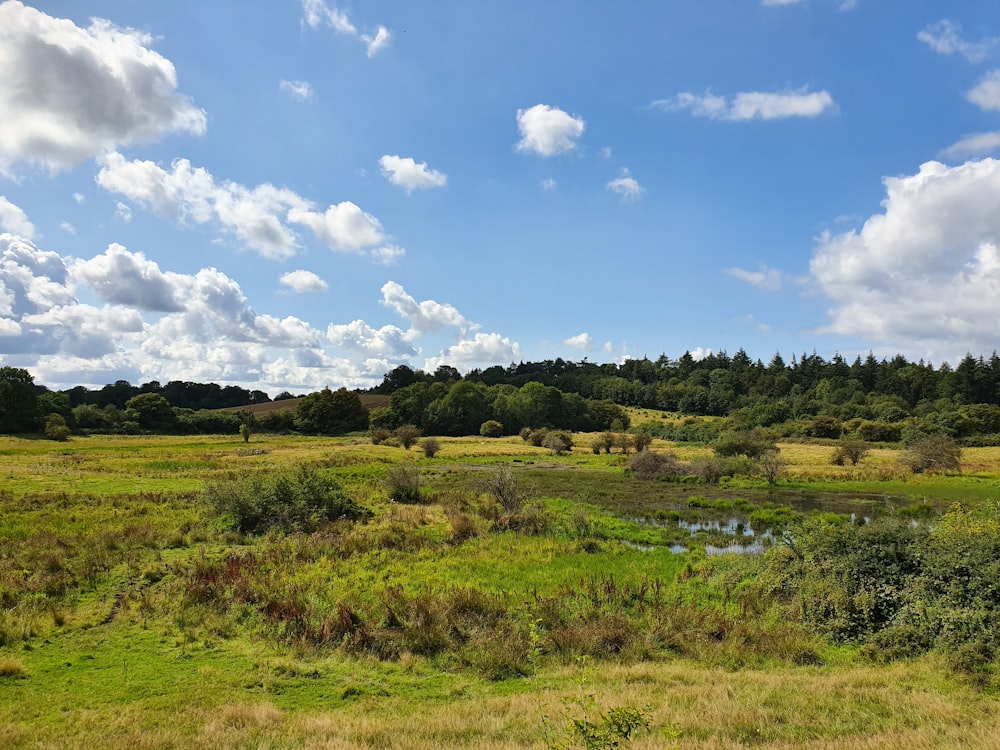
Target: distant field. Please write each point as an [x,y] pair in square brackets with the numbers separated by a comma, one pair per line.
[368,400]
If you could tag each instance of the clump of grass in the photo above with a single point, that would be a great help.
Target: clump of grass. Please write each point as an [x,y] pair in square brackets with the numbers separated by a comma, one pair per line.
[11,668]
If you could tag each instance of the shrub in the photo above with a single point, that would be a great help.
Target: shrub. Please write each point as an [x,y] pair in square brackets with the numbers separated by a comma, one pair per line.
[653,465]
[430,446]
[407,435]
[879,432]
[641,440]
[557,442]
[379,435]
[403,484]
[525,434]
[299,500]
[504,487]
[56,428]
[605,441]
[537,437]
[624,441]
[933,453]
[749,443]
[491,429]
[771,465]
[850,450]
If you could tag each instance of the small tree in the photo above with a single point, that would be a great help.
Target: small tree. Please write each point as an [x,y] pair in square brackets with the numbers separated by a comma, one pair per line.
[491,429]
[403,484]
[407,435]
[430,446]
[605,441]
[933,453]
[641,440]
[653,465]
[771,465]
[850,450]
[248,420]
[505,487]
[56,427]
[624,441]
[557,442]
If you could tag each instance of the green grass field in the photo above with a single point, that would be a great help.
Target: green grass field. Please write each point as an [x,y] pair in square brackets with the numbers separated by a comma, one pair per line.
[132,616]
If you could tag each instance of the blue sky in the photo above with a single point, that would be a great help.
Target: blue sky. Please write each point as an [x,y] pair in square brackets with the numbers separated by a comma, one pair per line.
[294,194]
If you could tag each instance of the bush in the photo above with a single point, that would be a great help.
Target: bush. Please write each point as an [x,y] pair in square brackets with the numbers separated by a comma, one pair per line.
[504,487]
[605,441]
[491,429]
[407,435]
[933,453]
[56,428]
[641,440]
[557,442]
[379,435]
[849,450]
[298,500]
[403,484]
[430,446]
[537,437]
[749,443]
[771,465]
[652,465]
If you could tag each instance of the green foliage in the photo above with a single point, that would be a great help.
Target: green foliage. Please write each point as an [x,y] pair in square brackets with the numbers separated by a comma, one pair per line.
[749,443]
[771,464]
[151,411]
[592,728]
[641,441]
[299,500]
[430,446]
[849,450]
[402,482]
[56,428]
[18,400]
[331,413]
[491,429]
[378,435]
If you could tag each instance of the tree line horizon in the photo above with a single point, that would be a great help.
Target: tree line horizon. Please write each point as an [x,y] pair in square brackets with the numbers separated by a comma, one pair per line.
[896,396]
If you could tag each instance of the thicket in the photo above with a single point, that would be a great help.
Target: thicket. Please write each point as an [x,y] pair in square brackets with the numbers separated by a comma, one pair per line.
[896,587]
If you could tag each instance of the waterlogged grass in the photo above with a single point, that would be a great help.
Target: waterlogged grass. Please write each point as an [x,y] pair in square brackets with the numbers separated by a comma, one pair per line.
[131,617]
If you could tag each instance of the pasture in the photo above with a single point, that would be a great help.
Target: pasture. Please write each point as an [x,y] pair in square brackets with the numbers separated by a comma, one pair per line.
[134,615]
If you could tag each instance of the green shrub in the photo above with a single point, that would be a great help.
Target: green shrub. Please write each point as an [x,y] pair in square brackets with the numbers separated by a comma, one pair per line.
[299,500]
[430,446]
[933,453]
[491,429]
[407,435]
[403,484]
[56,428]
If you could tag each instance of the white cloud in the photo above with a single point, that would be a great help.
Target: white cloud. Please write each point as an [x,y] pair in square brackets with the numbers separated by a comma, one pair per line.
[423,316]
[302,282]
[387,255]
[751,105]
[260,217]
[584,342]
[14,220]
[69,93]
[774,3]
[926,271]
[374,44]
[549,184]
[123,212]
[408,174]
[79,197]
[387,341]
[343,226]
[626,186]
[606,152]
[67,227]
[986,93]
[481,349]
[548,131]
[125,278]
[766,278]
[977,144]
[299,90]
[316,13]
[945,38]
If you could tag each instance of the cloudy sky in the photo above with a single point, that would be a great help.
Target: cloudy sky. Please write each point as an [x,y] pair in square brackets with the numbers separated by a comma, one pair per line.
[289,194]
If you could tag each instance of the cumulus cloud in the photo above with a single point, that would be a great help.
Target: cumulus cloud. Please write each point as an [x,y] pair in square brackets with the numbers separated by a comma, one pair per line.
[303,281]
[260,217]
[766,278]
[424,316]
[977,144]
[126,278]
[70,93]
[924,272]
[481,349]
[299,90]
[410,175]
[316,14]
[583,342]
[945,37]
[626,186]
[750,105]
[387,255]
[14,220]
[388,341]
[123,212]
[986,93]
[548,131]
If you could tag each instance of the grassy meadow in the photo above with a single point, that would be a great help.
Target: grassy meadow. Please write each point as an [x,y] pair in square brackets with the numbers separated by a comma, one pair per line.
[133,615]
